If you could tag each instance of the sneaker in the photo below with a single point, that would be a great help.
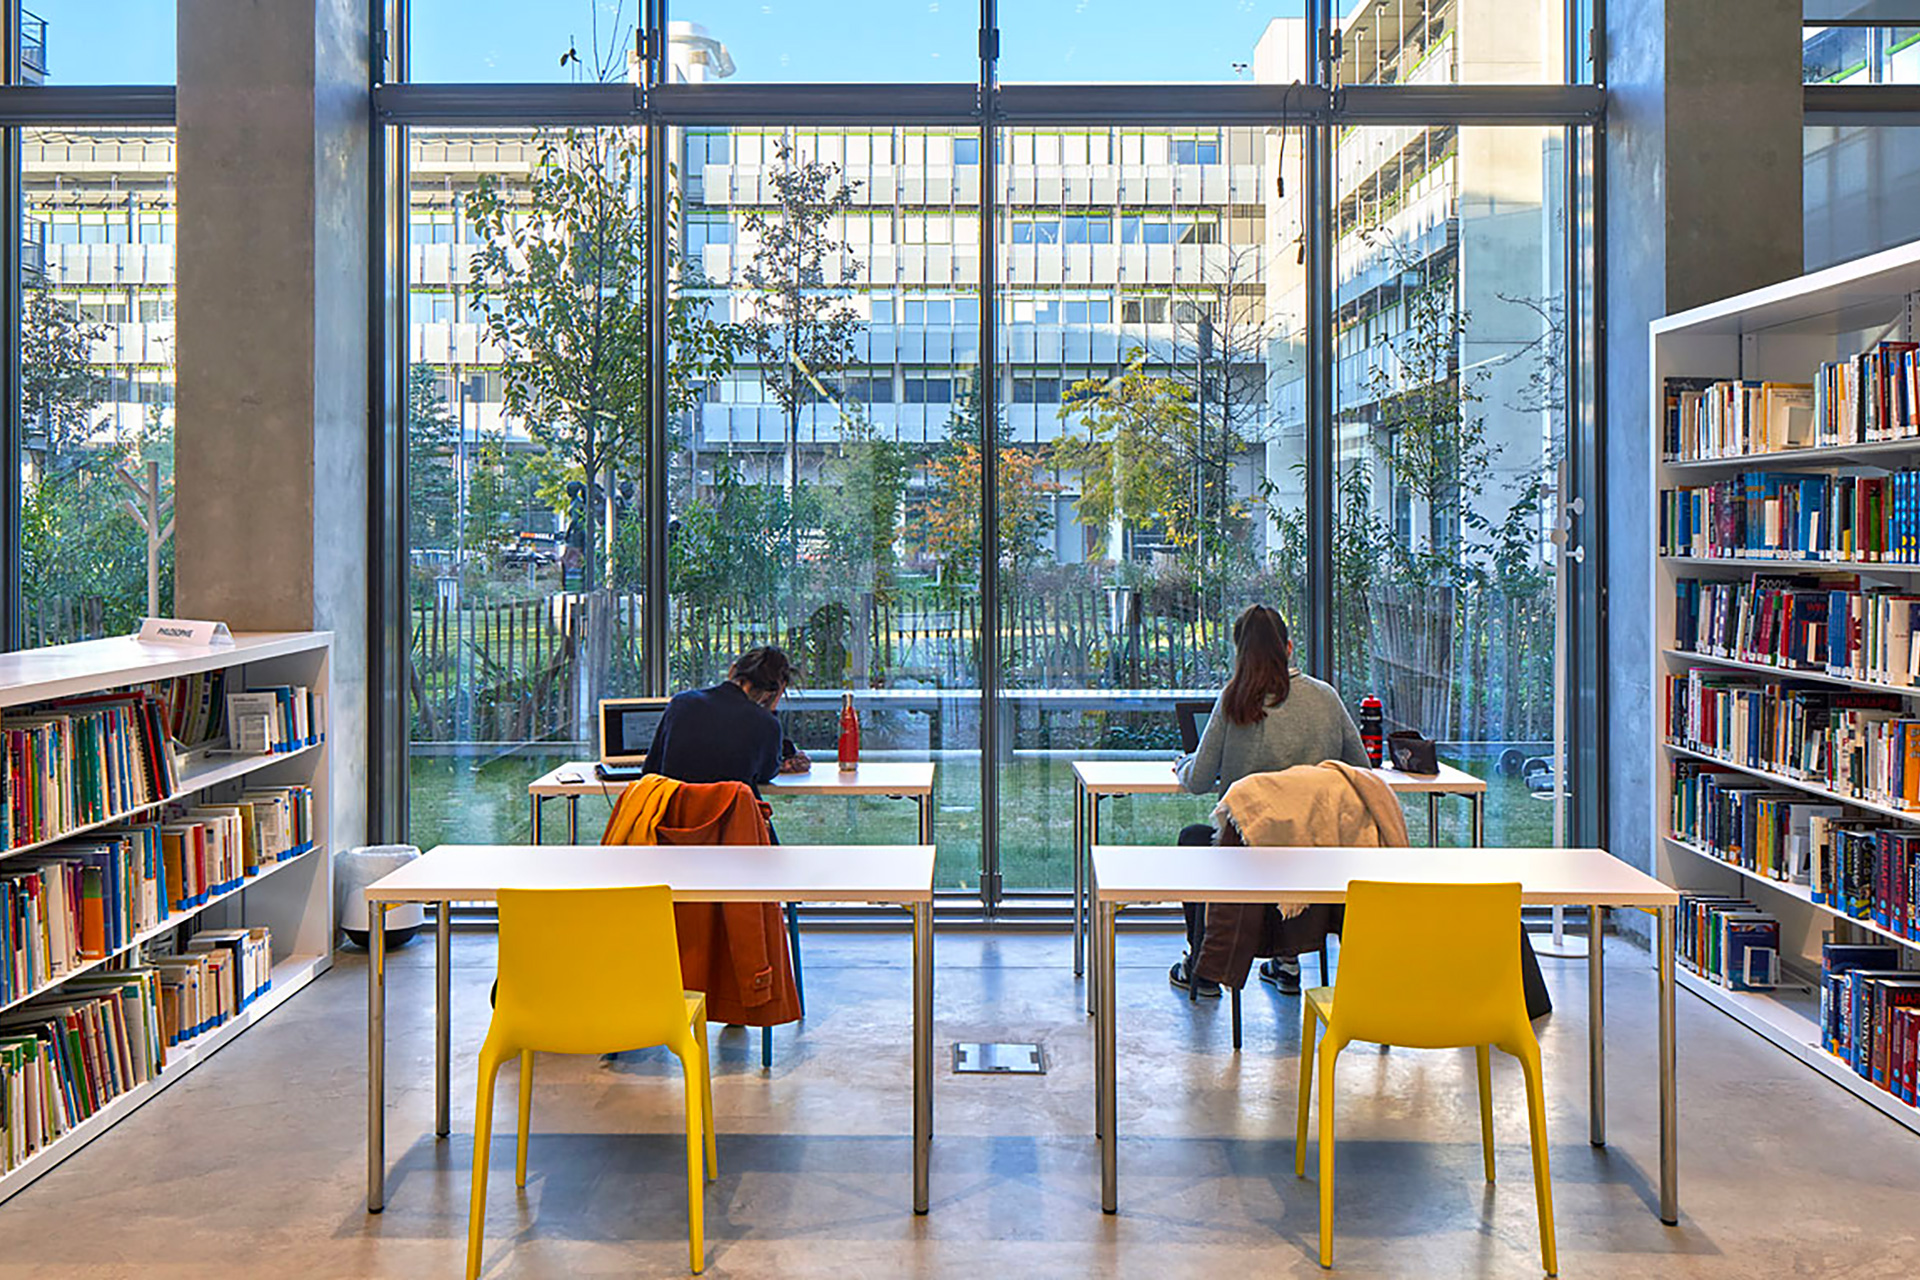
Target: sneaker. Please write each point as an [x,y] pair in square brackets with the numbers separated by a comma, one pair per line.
[1282,975]
[1206,988]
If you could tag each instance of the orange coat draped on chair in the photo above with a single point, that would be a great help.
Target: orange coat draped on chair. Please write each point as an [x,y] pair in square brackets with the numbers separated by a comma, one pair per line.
[735,952]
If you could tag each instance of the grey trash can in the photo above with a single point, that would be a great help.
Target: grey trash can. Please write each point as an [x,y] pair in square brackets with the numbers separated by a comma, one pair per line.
[357,868]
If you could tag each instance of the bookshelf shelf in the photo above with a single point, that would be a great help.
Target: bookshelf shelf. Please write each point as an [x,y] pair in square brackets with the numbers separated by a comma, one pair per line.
[293,897]
[1783,333]
[201,771]
[1688,657]
[289,976]
[1798,892]
[172,922]
[1787,1018]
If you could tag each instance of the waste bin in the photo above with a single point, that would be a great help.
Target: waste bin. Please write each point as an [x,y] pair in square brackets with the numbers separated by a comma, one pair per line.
[357,868]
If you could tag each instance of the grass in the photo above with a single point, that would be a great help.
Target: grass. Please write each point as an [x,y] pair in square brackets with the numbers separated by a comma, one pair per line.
[476,801]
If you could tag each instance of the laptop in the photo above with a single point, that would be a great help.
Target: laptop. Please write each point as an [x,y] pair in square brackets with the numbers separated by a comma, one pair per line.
[626,732]
[1193,722]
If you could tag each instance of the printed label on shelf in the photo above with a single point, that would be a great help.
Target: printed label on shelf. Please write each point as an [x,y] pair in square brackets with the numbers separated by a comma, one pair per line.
[183,631]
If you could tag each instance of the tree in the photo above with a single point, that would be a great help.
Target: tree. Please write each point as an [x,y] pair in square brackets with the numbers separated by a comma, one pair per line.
[800,327]
[950,524]
[561,279]
[431,483]
[868,476]
[59,388]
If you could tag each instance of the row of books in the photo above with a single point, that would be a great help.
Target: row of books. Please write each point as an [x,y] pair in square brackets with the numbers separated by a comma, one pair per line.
[1856,743]
[88,898]
[81,761]
[1802,623]
[65,1057]
[1729,941]
[196,706]
[1706,418]
[1790,516]
[1863,867]
[1870,1014]
[272,718]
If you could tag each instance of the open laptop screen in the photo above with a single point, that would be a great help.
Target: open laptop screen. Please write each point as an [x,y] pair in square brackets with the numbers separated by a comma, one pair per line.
[626,729]
[1193,722]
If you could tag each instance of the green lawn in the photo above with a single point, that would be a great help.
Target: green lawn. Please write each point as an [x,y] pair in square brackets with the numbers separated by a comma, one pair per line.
[485,801]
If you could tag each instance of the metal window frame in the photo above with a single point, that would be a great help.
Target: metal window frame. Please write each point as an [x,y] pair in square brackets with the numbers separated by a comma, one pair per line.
[1318,109]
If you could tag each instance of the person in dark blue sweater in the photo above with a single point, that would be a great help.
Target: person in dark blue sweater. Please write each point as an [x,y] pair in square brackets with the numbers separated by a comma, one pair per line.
[729,733]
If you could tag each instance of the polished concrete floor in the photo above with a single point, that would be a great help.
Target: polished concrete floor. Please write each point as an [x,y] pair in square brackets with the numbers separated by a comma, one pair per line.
[254,1165]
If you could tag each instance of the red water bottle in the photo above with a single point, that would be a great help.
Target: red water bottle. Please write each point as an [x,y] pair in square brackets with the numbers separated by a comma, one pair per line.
[849,735]
[1370,734]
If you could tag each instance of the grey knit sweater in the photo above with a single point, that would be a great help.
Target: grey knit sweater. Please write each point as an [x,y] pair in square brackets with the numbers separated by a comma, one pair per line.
[1310,726]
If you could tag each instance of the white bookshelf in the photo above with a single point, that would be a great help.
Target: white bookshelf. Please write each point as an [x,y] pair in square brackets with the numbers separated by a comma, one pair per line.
[293,898]
[1783,332]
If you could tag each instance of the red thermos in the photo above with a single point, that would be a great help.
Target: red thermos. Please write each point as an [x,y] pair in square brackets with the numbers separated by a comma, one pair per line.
[849,735]
[1370,735]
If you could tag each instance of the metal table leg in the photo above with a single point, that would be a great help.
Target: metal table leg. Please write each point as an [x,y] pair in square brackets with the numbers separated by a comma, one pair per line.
[1669,1084]
[1105,915]
[925,803]
[1479,819]
[922,1049]
[1079,877]
[538,803]
[1596,1028]
[573,819]
[1092,829]
[1433,819]
[442,1016]
[376,1056]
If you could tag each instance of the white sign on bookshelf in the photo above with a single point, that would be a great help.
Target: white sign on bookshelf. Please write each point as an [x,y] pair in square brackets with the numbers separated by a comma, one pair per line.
[183,631]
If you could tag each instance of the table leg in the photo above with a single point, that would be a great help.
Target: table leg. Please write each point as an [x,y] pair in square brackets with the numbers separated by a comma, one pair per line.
[573,819]
[1104,1082]
[1596,1028]
[376,1056]
[926,818]
[538,804]
[922,1049]
[1079,877]
[1433,819]
[1669,1084]
[1479,820]
[1092,838]
[442,1016]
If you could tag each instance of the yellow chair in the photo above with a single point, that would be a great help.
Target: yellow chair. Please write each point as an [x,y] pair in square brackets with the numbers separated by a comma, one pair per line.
[591,971]
[1428,966]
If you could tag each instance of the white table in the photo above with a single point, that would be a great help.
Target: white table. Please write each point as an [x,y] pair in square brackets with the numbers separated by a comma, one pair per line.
[1132,875]
[911,780]
[1096,779]
[892,875]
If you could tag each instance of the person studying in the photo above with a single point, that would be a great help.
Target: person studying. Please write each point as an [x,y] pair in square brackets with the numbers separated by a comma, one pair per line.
[1269,717]
[729,732]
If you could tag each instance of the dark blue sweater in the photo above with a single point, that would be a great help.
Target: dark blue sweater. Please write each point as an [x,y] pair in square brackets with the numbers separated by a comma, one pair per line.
[717,735]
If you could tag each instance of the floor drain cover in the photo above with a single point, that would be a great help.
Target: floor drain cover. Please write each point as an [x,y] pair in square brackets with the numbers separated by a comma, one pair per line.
[995,1059]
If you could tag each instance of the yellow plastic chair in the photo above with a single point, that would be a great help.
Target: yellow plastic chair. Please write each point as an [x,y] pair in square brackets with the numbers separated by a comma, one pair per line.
[1428,966]
[591,971]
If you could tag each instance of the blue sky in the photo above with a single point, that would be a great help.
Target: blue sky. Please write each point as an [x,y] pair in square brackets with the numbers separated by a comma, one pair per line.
[132,41]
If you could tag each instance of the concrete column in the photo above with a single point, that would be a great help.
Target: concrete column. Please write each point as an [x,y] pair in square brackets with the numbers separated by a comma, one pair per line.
[1703,201]
[272,323]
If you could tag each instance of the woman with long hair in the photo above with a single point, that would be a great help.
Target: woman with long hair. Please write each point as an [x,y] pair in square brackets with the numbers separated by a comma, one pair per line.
[1269,717]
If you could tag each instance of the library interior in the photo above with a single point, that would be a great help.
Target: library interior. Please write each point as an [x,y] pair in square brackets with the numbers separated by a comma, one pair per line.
[800,632]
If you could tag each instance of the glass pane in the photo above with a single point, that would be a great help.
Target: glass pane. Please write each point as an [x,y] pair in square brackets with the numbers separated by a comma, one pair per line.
[1425,42]
[1073,40]
[1148,461]
[98,41]
[96,377]
[1860,191]
[511,42]
[825,378]
[839,41]
[1450,384]
[525,460]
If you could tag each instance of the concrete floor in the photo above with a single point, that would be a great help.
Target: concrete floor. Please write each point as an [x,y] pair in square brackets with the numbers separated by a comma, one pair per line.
[254,1165]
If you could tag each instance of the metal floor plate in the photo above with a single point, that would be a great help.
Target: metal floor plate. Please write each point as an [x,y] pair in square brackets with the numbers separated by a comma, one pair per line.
[999,1059]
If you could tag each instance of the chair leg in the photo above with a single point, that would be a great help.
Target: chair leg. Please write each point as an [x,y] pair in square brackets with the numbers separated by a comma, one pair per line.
[1329,1055]
[526,1118]
[696,1155]
[1309,1025]
[706,1096]
[1480,1061]
[793,944]
[490,1059]
[1326,970]
[1542,1177]
[766,1048]
[1236,1019]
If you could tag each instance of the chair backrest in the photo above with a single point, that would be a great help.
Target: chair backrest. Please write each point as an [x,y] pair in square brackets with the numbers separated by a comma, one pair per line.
[1430,965]
[590,970]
